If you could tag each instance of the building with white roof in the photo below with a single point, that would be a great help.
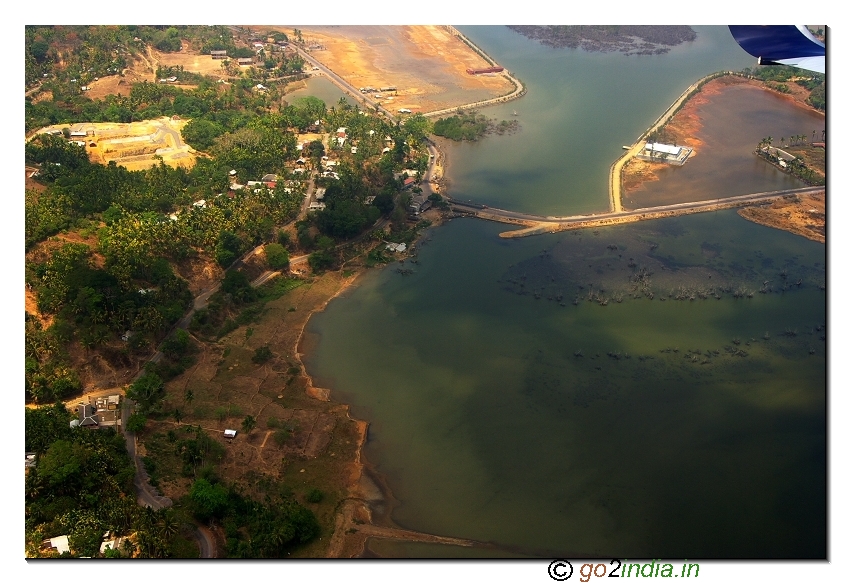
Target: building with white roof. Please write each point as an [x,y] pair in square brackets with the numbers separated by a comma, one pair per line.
[658,152]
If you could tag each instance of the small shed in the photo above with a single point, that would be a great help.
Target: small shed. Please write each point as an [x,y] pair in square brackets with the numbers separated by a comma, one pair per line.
[229,433]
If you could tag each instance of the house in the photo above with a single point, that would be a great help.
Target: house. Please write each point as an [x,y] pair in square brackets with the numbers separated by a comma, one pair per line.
[340,132]
[58,543]
[316,206]
[108,410]
[397,247]
[218,54]
[409,182]
[245,61]
[229,433]
[419,204]
[111,543]
[260,87]
[87,415]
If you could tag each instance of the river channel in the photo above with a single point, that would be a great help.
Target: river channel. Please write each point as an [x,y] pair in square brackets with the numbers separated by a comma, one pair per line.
[653,389]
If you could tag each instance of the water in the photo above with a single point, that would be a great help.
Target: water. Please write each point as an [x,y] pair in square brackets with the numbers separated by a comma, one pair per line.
[502,412]
[318,87]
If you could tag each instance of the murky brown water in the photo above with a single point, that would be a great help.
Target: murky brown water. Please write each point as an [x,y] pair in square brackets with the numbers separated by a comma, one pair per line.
[734,121]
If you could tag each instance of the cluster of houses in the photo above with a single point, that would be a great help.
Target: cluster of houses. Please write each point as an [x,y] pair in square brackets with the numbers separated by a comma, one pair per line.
[61,544]
[270,44]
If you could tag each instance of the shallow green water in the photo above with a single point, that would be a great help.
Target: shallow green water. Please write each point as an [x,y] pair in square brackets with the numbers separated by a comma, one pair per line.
[500,411]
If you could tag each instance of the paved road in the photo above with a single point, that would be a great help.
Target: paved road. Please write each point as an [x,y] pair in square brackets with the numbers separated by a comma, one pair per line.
[615,174]
[344,85]
[540,222]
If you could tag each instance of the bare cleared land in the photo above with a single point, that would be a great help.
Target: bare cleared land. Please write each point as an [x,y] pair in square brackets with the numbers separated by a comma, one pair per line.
[134,145]
[426,64]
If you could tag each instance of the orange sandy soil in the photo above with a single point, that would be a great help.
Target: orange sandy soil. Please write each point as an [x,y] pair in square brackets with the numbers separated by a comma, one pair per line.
[135,155]
[425,63]
[806,216]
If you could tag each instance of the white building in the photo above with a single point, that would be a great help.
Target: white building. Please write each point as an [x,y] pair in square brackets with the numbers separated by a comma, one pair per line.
[658,152]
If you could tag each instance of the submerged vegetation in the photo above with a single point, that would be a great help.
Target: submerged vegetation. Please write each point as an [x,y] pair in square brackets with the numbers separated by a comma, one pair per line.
[629,39]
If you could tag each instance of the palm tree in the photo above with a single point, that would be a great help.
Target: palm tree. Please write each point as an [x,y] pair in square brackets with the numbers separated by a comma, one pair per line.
[782,142]
[248,424]
[168,525]
[813,135]
[177,415]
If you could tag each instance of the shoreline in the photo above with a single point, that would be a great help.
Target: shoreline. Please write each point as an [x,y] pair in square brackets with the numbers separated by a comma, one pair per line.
[366,510]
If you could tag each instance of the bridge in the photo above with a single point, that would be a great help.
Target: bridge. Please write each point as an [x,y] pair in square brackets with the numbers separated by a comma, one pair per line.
[536,224]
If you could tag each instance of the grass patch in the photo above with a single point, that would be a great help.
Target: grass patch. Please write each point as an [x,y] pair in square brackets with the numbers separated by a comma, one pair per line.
[278,287]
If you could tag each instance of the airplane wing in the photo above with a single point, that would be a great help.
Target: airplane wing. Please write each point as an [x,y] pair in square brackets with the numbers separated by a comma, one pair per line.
[782,45]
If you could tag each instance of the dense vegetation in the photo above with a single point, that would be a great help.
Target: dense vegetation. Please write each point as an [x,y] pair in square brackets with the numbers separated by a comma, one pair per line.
[82,486]
[471,126]
[106,247]
[253,530]
[630,39]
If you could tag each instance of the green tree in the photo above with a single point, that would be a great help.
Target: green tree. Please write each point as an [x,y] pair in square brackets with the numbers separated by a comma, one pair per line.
[248,424]
[277,256]
[208,500]
[147,391]
[136,423]
[262,354]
